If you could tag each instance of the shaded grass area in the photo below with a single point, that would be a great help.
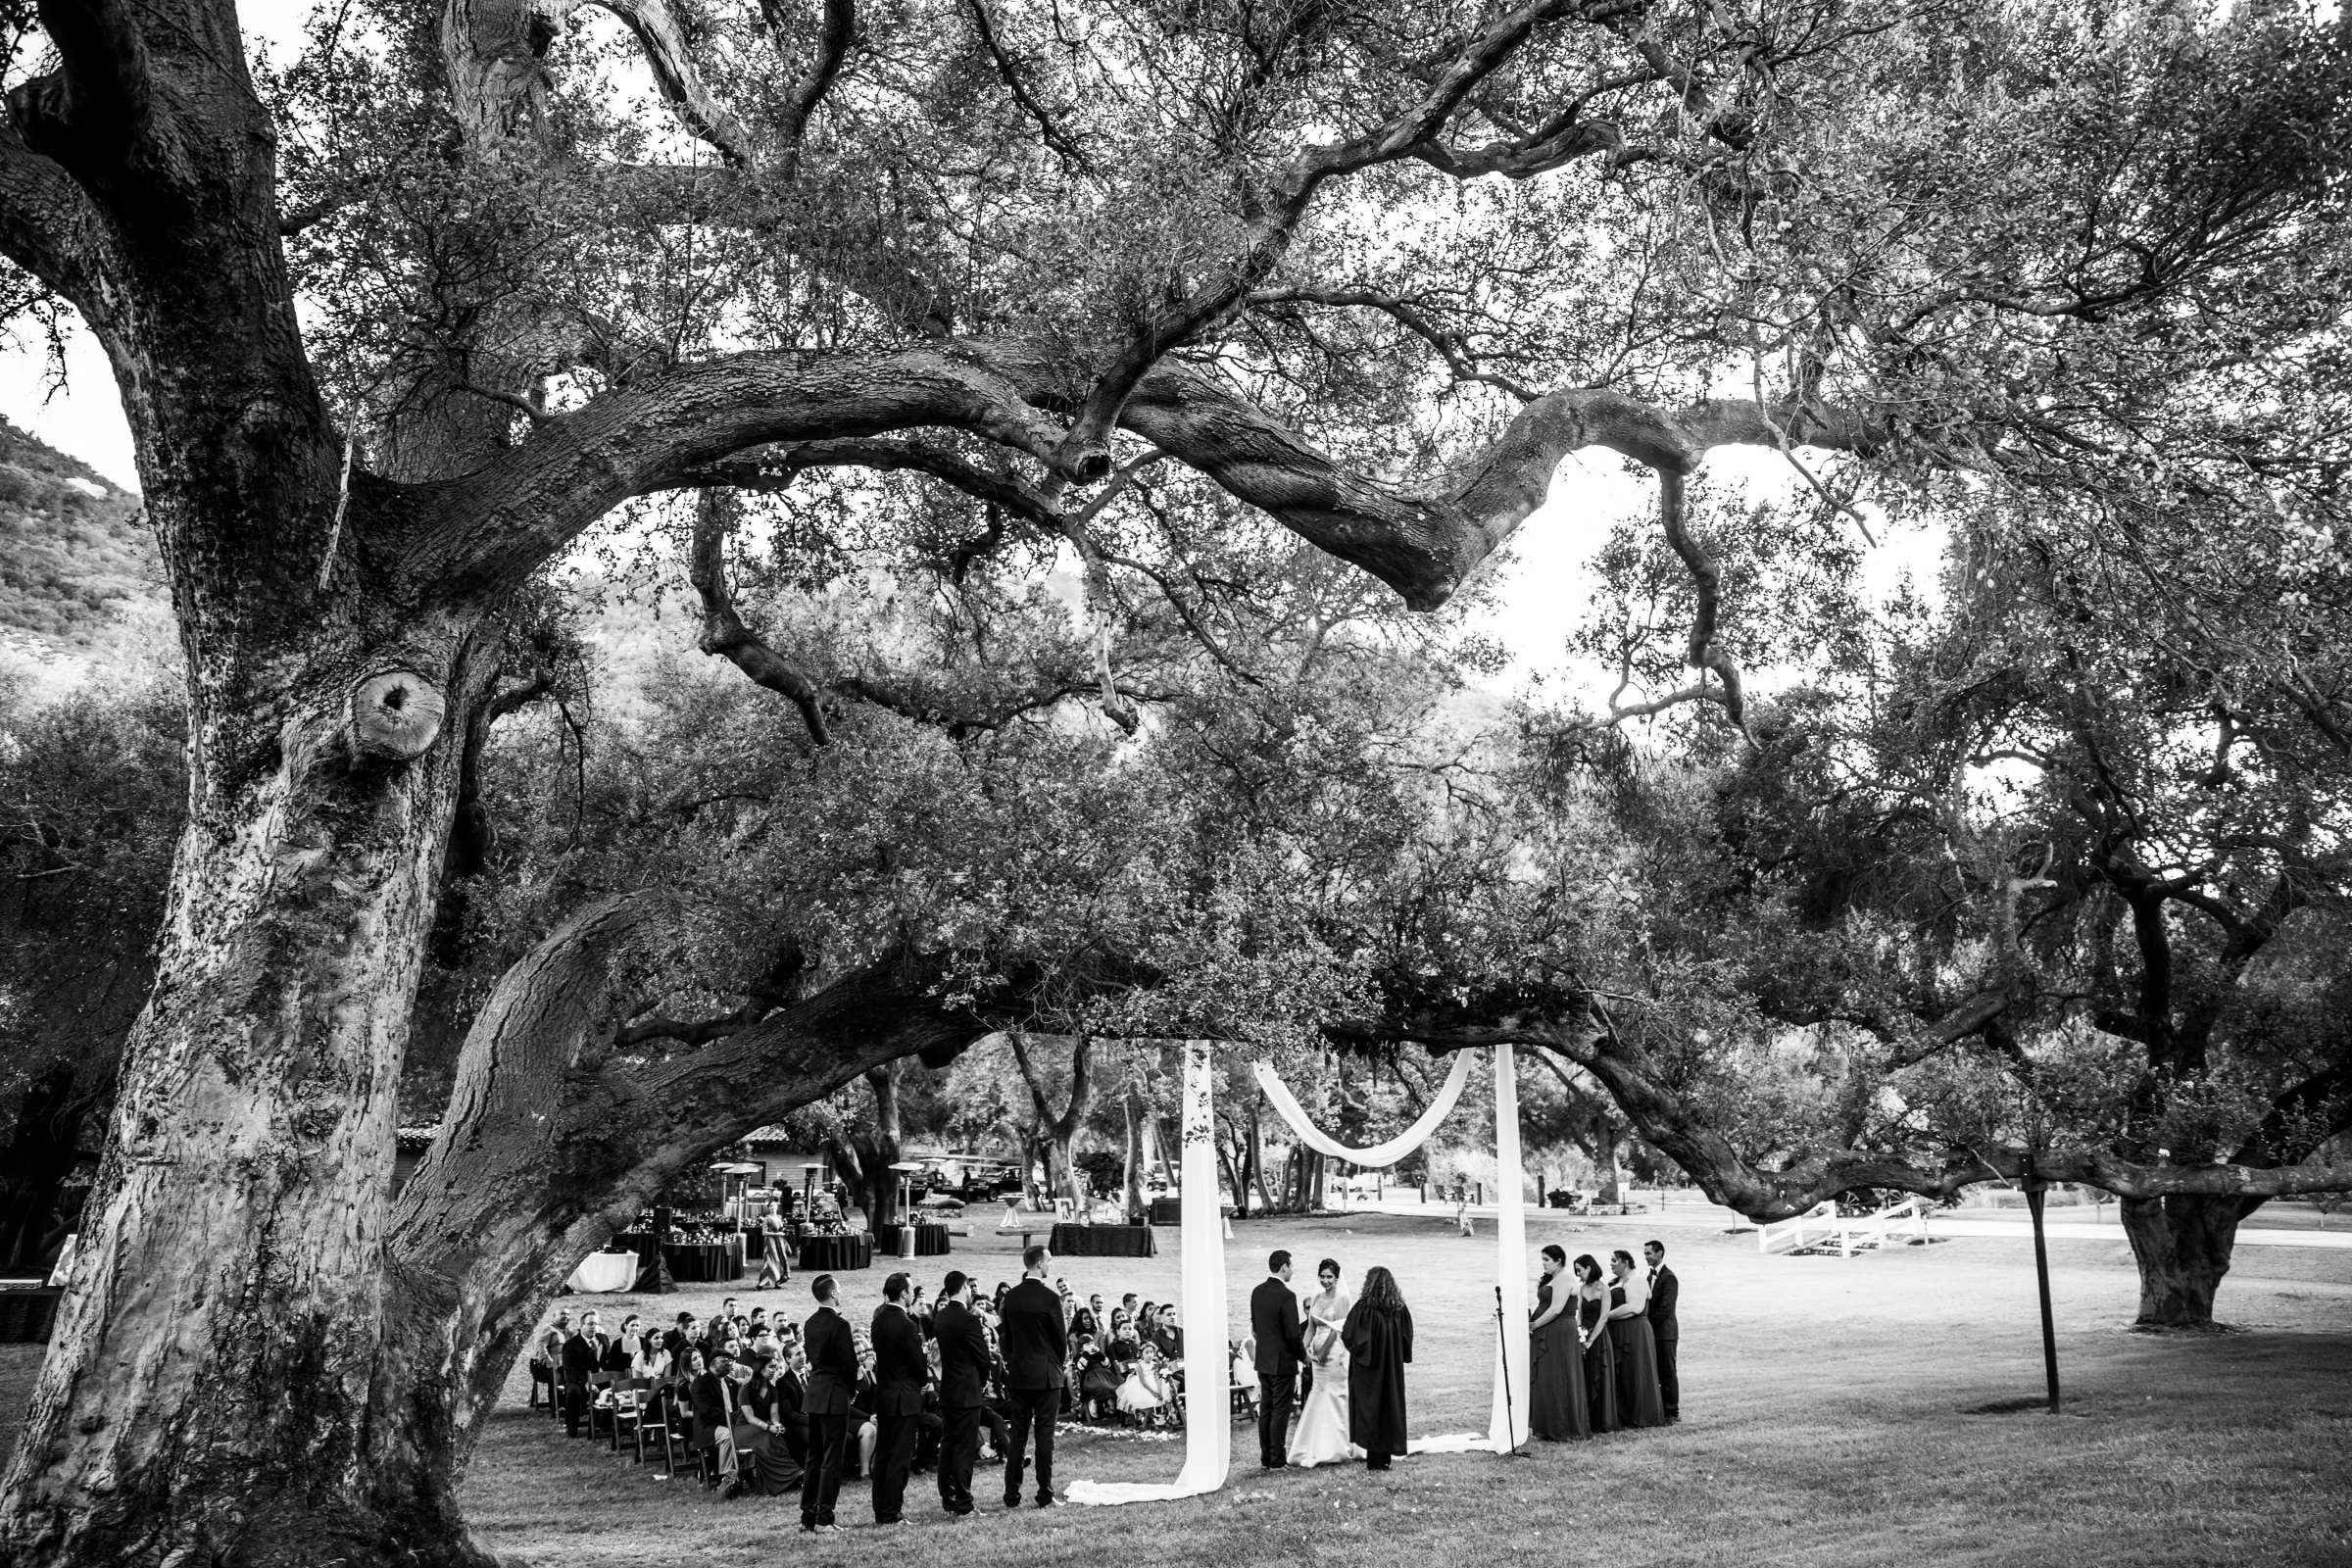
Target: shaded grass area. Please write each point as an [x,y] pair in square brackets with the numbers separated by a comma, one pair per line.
[1826,1422]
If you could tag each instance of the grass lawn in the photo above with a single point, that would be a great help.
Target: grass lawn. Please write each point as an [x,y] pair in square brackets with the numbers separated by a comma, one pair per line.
[1827,1419]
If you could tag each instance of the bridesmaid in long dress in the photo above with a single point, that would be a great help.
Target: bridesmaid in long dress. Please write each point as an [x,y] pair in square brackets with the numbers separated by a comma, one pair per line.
[1556,1400]
[1639,1401]
[1601,1356]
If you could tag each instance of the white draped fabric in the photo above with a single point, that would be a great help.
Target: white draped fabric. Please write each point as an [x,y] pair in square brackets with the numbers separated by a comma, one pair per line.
[1279,1096]
[1511,1350]
[1207,1431]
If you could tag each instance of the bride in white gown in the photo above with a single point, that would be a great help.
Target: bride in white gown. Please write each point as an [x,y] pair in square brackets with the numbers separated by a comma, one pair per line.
[1321,1435]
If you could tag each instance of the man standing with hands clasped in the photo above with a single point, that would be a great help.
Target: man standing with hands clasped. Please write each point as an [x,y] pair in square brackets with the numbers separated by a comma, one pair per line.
[901,1369]
[1664,1291]
[1281,1347]
[1036,1344]
[963,1385]
[832,1353]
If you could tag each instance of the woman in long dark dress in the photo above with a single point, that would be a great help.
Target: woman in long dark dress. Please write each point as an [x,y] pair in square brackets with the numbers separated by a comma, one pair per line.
[1601,1356]
[1556,1400]
[1639,1401]
[1379,1336]
[767,1465]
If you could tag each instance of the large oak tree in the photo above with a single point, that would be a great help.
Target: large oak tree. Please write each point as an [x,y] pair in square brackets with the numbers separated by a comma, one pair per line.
[397,325]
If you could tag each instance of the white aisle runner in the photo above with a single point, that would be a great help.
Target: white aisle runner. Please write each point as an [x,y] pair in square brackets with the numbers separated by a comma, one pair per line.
[1207,1421]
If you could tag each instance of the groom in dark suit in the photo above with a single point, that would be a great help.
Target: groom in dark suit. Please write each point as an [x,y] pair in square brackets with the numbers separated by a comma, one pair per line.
[1281,1347]
[1035,1342]
[1665,1290]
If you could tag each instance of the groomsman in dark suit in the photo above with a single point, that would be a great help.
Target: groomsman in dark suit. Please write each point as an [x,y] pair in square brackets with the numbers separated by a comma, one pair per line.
[1664,1292]
[963,1386]
[582,1350]
[901,1369]
[1034,1343]
[832,1352]
[1281,1347]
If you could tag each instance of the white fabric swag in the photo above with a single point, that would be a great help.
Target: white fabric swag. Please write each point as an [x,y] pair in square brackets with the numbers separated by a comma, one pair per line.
[1279,1096]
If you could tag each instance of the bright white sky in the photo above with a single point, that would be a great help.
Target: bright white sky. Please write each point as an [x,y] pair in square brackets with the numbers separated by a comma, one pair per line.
[1542,585]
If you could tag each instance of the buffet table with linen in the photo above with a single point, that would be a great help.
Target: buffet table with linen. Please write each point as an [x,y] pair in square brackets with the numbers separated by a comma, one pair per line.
[1102,1240]
[824,1255]
[602,1273]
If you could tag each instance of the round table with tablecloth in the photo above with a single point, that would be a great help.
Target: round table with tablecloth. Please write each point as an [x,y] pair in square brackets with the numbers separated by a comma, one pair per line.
[690,1261]
[826,1253]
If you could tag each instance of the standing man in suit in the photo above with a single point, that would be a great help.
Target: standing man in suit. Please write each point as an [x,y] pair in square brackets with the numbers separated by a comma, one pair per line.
[1664,1292]
[582,1350]
[1035,1343]
[901,1369]
[963,1385]
[832,1373]
[1281,1347]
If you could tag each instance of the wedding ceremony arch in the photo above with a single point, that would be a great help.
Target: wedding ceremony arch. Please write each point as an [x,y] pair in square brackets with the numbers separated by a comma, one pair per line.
[1208,1435]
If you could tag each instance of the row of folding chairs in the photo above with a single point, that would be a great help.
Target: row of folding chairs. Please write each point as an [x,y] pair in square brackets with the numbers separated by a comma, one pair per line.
[639,1416]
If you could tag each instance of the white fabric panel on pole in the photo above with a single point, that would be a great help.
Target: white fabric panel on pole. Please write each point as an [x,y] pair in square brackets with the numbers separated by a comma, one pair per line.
[1510,1426]
[1287,1105]
[1207,1423]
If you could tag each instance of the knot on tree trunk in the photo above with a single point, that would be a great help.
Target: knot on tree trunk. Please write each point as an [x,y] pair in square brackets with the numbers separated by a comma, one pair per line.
[394,713]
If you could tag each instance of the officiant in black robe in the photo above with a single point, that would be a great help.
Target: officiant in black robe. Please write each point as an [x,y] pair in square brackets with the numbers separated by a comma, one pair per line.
[1379,1336]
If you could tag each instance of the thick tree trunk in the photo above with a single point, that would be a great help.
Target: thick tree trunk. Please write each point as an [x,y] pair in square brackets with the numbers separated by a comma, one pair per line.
[2182,1245]
[1132,1183]
[208,1391]
[1603,1147]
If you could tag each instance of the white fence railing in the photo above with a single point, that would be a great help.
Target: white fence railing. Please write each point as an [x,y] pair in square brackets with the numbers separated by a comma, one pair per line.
[1821,1228]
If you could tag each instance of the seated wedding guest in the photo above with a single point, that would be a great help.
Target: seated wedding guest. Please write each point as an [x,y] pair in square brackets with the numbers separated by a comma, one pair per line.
[1097,1380]
[681,1336]
[1600,1352]
[1168,1337]
[1638,1403]
[1124,1312]
[1379,1336]
[864,1398]
[1084,1322]
[1094,1306]
[711,1394]
[547,1361]
[1555,1398]
[624,1352]
[757,1324]
[1145,1393]
[762,1452]
[793,1389]
[583,1351]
